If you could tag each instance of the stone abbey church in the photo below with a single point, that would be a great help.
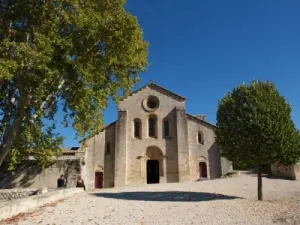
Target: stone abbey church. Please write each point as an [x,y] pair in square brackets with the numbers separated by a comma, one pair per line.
[154,140]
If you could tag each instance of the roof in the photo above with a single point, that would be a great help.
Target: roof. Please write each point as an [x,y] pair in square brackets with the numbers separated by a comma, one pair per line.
[203,122]
[69,149]
[101,129]
[107,126]
[159,89]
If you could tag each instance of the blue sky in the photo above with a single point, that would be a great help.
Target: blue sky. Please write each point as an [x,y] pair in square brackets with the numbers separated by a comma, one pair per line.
[201,49]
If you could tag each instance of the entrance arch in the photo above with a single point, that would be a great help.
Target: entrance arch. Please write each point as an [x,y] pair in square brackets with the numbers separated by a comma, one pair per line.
[154,164]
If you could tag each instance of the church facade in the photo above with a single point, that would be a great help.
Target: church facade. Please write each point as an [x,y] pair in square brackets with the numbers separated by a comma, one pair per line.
[153,140]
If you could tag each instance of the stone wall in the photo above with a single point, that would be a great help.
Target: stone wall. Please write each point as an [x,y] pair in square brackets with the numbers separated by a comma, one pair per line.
[135,149]
[29,204]
[30,175]
[289,172]
[120,169]
[109,157]
[208,151]
[11,194]
[100,157]
[226,166]
[182,145]
[179,154]
[88,169]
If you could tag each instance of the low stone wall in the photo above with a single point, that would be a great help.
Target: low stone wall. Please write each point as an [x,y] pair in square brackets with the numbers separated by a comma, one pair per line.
[17,206]
[289,172]
[30,175]
[11,194]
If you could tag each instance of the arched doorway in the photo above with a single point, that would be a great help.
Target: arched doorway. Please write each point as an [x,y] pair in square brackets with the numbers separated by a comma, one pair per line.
[153,164]
[202,170]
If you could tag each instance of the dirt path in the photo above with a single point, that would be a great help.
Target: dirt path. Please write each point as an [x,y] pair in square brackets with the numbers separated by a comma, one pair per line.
[223,201]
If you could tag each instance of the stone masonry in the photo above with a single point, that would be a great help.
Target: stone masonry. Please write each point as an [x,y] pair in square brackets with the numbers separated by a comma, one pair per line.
[153,140]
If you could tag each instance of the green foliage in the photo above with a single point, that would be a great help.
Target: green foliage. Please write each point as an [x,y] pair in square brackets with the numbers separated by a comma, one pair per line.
[72,54]
[254,126]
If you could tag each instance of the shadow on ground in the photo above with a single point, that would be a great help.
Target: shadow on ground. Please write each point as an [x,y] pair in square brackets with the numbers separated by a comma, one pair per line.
[168,196]
[272,177]
[268,176]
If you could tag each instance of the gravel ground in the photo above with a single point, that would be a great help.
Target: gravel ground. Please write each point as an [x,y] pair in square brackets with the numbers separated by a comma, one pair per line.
[222,201]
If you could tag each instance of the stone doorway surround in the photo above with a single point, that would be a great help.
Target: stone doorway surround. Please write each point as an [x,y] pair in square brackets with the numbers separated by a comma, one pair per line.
[152,153]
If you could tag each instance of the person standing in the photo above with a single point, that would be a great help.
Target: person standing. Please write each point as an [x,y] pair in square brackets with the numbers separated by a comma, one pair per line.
[61,181]
[80,183]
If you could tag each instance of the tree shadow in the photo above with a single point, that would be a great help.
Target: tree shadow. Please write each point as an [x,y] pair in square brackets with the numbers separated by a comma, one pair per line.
[29,172]
[167,196]
[273,177]
[23,176]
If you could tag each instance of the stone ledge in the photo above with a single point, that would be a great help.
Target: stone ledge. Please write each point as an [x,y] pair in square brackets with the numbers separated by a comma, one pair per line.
[17,206]
[11,194]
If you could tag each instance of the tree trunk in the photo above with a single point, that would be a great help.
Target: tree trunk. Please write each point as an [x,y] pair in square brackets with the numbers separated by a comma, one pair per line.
[7,113]
[259,183]
[12,131]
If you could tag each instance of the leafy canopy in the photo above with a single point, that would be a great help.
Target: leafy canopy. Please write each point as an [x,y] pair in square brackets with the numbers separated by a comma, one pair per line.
[254,126]
[72,54]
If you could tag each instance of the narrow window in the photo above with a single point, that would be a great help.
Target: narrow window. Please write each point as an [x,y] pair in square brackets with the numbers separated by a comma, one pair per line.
[107,148]
[166,129]
[200,138]
[152,126]
[137,128]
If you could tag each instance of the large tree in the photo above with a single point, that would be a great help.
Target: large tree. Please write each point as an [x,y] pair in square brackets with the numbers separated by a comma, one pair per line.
[72,54]
[254,127]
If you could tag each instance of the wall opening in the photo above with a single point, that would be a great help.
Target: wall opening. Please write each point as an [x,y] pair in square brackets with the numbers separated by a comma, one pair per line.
[152,126]
[166,128]
[200,138]
[98,179]
[202,170]
[152,171]
[137,128]
[107,148]
[152,165]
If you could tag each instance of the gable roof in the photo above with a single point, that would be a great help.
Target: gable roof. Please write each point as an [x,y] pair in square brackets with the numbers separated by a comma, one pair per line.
[202,122]
[101,130]
[158,89]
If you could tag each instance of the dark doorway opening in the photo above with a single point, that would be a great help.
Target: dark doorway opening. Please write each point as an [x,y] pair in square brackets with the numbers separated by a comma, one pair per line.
[203,169]
[152,172]
[98,180]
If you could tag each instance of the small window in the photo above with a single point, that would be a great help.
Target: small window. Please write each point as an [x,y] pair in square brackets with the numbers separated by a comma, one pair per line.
[166,128]
[152,126]
[200,138]
[137,128]
[107,148]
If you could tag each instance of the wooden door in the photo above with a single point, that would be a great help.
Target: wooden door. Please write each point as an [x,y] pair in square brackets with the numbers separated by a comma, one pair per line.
[202,169]
[98,180]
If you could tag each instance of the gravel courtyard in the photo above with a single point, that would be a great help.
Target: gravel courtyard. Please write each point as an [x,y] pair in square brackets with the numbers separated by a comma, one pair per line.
[222,201]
